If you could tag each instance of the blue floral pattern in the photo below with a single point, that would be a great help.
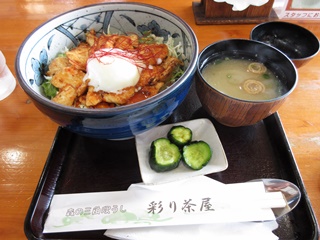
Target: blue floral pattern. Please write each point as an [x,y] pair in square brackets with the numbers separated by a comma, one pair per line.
[155,29]
[40,67]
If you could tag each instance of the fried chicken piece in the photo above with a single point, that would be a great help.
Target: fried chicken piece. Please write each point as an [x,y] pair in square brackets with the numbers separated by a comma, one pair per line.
[66,96]
[161,73]
[83,87]
[57,65]
[153,54]
[169,65]
[104,41]
[68,76]
[145,92]
[92,97]
[150,91]
[150,76]
[134,40]
[91,37]
[126,42]
[111,41]
[104,105]
[80,102]
[119,98]
[78,56]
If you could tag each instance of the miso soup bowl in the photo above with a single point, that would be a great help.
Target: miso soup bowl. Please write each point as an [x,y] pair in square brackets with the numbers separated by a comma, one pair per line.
[68,30]
[234,112]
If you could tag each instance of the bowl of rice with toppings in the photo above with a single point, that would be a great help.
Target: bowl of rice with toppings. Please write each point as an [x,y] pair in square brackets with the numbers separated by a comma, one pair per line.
[109,70]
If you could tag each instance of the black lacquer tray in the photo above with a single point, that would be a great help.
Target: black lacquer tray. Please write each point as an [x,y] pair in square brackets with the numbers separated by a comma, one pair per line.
[81,164]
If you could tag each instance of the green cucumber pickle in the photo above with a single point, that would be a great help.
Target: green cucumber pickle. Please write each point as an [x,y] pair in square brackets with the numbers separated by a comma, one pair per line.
[180,135]
[196,155]
[164,155]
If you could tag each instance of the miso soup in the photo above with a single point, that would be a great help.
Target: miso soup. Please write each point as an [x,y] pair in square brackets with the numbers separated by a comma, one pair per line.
[243,79]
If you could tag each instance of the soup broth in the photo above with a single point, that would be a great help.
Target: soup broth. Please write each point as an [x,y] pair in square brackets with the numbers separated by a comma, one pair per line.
[243,79]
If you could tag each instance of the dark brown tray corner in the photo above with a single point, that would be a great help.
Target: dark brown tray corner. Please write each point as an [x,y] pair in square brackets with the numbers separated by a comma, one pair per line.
[81,164]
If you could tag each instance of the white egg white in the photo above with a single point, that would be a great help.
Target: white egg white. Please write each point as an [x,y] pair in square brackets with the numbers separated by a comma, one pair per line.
[112,70]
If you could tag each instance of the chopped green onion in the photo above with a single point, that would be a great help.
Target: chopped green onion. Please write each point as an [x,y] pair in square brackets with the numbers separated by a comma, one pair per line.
[218,61]
[266,76]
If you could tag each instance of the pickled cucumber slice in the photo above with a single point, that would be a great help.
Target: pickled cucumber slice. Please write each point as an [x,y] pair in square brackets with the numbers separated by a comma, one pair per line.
[196,155]
[180,135]
[164,155]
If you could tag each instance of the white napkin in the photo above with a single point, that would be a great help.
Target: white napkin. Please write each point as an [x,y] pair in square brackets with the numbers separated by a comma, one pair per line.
[221,231]
[240,5]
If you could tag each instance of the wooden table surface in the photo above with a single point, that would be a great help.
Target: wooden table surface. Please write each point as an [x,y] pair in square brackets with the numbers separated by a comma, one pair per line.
[27,135]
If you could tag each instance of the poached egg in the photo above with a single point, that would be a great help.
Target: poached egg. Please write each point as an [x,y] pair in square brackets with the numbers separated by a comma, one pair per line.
[112,69]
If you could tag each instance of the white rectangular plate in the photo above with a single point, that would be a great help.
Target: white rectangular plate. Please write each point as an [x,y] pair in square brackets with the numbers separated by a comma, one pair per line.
[202,129]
